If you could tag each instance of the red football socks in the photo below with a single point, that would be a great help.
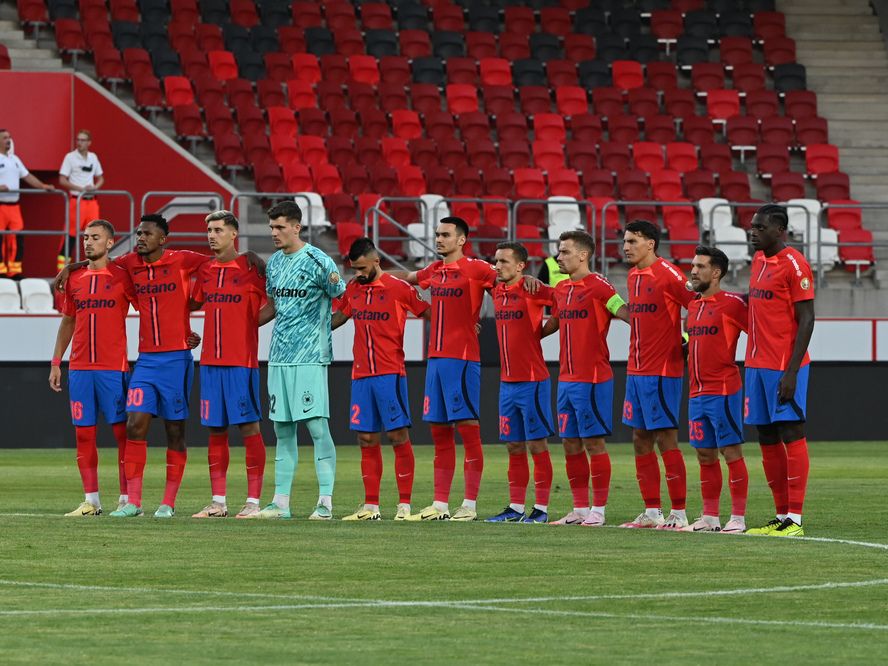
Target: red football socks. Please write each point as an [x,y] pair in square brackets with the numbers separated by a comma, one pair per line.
[738,480]
[175,470]
[120,435]
[217,457]
[774,460]
[473,463]
[371,472]
[445,460]
[710,487]
[255,458]
[676,478]
[87,458]
[577,466]
[519,477]
[797,465]
[404,467]
[647,471]
[134,464]
[600,473]
[542,477]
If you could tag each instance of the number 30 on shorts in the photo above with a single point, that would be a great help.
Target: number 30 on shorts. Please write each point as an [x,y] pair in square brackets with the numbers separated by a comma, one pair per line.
[135,397]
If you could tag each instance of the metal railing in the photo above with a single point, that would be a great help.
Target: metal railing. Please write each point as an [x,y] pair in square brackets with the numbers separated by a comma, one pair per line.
[308,219]
[66,217]
[96,194]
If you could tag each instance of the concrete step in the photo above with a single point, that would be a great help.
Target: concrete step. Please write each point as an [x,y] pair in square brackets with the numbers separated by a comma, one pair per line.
[39,65]
[19,44]
[18,55]
[848,83]
[863,45]
[802,8]
[857,133]
[853,59]
[852,107]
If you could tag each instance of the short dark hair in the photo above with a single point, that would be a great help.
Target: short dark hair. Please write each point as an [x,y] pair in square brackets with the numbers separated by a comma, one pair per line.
[581,238]
[105,224]
[716,257]
[517,248]
[362,247]
[647,229]
[774,214]
[287,209]
[225,216]
[461,225]
[159,220]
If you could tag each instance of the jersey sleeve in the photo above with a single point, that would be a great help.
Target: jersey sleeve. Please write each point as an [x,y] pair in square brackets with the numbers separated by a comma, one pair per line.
[485,273]
[129,289]
[65,169]
[197,292]
[343,303]
[801,288]
[424,276]
[192,260]
[738,312]
[333,290]
[545,295]
[413,301]
[68,308]
[676,287]
[125,261]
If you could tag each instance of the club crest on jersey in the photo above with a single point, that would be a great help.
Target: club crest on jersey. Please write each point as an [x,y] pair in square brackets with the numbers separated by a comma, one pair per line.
[805,283]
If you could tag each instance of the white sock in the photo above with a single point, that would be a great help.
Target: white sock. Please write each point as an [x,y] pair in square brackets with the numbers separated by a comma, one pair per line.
[781,517]
[795,517]
[404,505]
[326,500]
[469,504]
[281,501]
[654,513]
[542,507]
[219,499]
[711,520]
[740,519]
[583,511]
[599,509]
[123,498]
[441,506]
[252,500]
[517,507]
[93,498]
[371,507]
[680,513]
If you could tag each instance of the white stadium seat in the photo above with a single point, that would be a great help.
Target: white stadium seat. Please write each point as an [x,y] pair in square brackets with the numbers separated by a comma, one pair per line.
[10,301]
[317,215]
[415,249]
[435,209]
[829,251]
[715,214]
[804,215]
[734,243]
[564,215]
[36,296]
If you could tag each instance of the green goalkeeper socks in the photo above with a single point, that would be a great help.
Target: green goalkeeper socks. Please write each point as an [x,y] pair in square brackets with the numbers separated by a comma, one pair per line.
[325,454]
[286,457]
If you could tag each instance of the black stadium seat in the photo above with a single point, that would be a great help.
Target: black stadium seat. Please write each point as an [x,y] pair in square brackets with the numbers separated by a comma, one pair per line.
[591,21]
[250,64]
[611,47]
[153,35]
[126,35]
[483,19]
[263,39]
[594,74]
[691,50]
[429,70]
[790,77]
[447,44]
[319,41]
[528,72]
[381,43]
[274,13]
[165,62]
[545,47]
[235,36]
[214,11]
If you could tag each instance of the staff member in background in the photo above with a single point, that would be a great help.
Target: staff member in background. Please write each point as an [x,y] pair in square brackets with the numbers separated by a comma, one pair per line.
[11,172]
[550,273]
[81,171]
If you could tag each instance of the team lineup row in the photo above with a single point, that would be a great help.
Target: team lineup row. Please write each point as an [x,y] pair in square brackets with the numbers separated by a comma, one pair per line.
[301,290]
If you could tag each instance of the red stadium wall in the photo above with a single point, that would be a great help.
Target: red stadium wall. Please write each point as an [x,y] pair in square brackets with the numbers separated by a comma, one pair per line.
[44,114]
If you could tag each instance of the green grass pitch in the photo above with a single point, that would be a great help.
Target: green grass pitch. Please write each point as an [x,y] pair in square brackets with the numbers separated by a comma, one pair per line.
[101,591]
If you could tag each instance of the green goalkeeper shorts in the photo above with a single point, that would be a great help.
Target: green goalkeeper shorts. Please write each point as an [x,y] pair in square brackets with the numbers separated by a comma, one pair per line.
[297,392]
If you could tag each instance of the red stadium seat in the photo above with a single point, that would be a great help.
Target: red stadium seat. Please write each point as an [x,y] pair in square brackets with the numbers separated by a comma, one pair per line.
[623,129]
[679,102]
[514,153]
[448,17]
[811,130]
[109,65]
[749,77]
[338,15]
[482,153]
[467,210]
[256,147]
[706,76]
[334,68]
[282,121]
[762,104]
[856,257]
[395,70]
[529,236]
[643,102]
[411,181]
[734,185]
[291,38]
[716,157]
[661,75]
[771,159]
[496,214]
[306,67]
[121,10]
[742,131]
[239,92]
[777,129]
[218,117]
[722,104]
[548,154]
[498,182]
[146,90]
[633,185]
[681,156]
[498,99]
[222,65]
[833,186]
[468,182]
[627,74]
[346,234]
[604,214]
[425,97]
[330,95]
[699,184]
[787,185]
[308,15]
[666,185]
[313,149]
[348,41]
[614,156]
[363,69]
[667,24]
[209,37]
[341,150]
[439,180]
[549,127]
[392,97]
[529,183]
[607,101]
[561,73]
[177,90]
[480,45]
[571,100]
[69,36]
[698,130]
[326,179]
[556,21]
[301,95]
[340,208]
[800,104]
[768,25]
[511,126]
[519,20]
[423,152]
[243,13]
[439,125]
[683,238]
[187,121]
[578,48]
[845,216]
[406,125]
[452,152]
[376,16]
[395,151]
[462,98]
[473,126]
[229,153]
[374,123]
[462,70]
[278,67]
[268,177]
[415,43]
[534,99]
[313,121]
[586,127]
[659,128]
[821,158]
[648,156]
[356,180]
[284,149]
[598,183]
[514,46]
[779,51]
[344,123]
[735,51]
[564,183]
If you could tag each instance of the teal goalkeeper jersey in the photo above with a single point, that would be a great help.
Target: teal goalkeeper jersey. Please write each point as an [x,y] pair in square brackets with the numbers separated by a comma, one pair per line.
[299,283]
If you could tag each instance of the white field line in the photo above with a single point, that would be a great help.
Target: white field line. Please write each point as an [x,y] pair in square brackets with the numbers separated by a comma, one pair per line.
[336,601]
[453,605]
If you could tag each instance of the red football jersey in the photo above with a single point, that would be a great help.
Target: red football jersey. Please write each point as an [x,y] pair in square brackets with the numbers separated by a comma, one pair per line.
[232,296]
[98,301]
[776,284]
[457,292]
[581,308]
[379,310]
[163,290]
[519,324]
[714,326]
[656,296]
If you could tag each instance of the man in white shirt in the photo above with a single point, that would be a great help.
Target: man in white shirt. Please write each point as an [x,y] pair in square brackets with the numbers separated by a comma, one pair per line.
[81,171]
[11,172]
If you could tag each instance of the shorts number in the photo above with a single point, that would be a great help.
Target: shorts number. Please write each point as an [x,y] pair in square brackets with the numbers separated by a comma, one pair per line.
[134,397]
[745,407]
[695,429]
[627,410]
[505,427]
[205,409]
[562,422]
[272,400]
[76,410]
[425,405]
[356,415]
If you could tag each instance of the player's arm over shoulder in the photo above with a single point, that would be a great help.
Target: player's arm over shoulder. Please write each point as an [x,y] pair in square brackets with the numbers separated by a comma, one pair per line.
[413,300]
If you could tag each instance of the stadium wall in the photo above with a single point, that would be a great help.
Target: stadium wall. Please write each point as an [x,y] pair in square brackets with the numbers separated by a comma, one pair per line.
[43,116]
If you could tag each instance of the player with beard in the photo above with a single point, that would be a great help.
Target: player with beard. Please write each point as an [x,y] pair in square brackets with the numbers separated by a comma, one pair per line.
[378,304]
